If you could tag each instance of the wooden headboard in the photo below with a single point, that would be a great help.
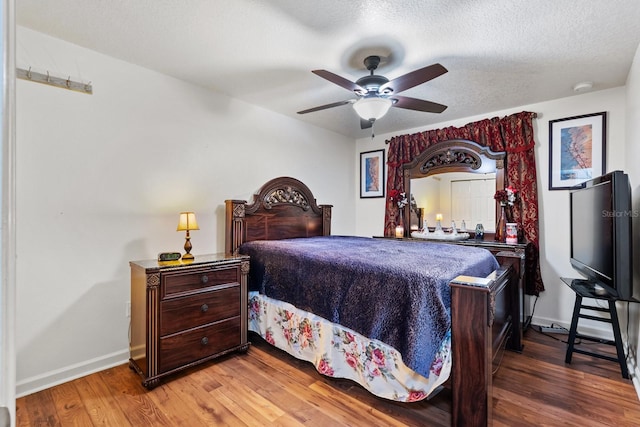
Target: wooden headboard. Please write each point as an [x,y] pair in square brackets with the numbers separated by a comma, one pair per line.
[283,208]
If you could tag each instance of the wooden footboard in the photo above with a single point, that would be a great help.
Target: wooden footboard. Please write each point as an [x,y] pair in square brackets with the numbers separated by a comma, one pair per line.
[482,314]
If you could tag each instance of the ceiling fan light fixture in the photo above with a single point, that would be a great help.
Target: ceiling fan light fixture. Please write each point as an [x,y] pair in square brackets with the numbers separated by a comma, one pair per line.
[372,108]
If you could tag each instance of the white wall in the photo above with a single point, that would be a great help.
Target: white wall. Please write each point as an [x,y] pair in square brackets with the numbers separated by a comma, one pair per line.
[102,178]
[632,148]
[556,303]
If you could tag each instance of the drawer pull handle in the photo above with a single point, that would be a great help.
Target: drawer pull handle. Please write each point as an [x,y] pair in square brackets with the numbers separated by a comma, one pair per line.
[204,341]
[204,308]
[204,279]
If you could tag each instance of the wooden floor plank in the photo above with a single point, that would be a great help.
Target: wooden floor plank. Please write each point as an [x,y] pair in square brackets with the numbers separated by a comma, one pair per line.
[41,409]
[37,409]
[268,387]
[70,405]
[175,406]
[200,403]
[255,405]
[101,406]
[132,398]
[285,393]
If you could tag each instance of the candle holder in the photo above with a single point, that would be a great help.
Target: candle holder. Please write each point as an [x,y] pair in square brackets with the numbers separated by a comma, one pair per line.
[438,228]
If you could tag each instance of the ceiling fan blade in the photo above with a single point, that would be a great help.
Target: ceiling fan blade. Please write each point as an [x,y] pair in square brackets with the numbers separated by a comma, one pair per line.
[324,107]
[365,124]
[414,78]
[417,104]
[340,81]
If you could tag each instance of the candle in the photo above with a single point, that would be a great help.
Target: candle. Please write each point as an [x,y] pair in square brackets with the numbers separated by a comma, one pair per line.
[438,217]
[399,231]
[512,233]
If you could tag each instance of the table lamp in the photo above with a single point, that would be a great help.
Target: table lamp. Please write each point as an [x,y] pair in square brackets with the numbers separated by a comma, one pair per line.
[187,222]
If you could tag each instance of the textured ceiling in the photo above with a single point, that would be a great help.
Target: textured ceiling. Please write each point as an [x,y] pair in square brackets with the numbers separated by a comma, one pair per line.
[499,53]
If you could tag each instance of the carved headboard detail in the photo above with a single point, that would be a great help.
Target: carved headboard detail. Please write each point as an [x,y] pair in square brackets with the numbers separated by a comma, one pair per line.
[286,195]
[283,208]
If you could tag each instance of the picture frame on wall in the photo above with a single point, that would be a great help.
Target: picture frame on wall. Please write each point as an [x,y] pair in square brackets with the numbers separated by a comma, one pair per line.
[576,150]
[372,168]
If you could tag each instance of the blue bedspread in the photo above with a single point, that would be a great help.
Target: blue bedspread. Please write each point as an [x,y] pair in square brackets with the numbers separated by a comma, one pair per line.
[390,290]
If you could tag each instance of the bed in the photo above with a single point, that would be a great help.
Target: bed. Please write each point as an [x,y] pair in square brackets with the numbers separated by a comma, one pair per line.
[391,350]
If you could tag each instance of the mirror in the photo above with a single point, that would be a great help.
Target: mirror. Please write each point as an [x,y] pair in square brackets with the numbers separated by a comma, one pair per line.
[456,179]
[463,197]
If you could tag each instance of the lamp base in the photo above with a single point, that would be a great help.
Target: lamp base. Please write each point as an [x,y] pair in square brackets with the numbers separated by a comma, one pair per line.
[187,248]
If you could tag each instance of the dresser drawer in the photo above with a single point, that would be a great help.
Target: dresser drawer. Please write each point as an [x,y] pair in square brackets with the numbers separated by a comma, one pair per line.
[178,283]
[195,344]
[177,314]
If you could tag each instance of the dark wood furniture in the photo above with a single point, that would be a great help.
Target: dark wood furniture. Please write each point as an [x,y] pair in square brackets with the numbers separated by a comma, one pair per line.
[584,289]
[514,255]
[186,312]
[459,155]
[456,155]
[482,309]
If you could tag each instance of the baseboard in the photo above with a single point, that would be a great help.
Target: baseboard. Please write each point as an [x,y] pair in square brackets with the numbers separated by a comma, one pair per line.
[63,375]
[634,370]
[5,417]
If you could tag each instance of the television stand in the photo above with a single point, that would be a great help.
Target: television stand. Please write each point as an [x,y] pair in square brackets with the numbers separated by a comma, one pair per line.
[584,289]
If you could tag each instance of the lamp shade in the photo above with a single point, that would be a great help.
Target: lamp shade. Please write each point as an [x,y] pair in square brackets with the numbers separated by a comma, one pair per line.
[372,108]
[187,221]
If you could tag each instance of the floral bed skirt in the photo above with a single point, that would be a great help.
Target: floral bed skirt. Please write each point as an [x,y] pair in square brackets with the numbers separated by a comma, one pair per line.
[340,352]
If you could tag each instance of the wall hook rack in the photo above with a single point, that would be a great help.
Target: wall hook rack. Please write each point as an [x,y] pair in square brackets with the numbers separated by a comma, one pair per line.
[54,81]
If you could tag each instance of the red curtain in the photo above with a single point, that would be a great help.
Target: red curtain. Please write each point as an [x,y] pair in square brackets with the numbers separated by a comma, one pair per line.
[512,134]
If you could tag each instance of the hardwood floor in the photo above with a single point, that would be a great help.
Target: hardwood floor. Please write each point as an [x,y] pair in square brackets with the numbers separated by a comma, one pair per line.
[267,387]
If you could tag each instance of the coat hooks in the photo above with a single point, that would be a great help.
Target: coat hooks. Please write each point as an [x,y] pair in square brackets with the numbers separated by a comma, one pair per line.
[54,81]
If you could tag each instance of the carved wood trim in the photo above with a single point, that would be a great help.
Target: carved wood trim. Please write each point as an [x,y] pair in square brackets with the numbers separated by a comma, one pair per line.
[153,280]
[326,219]
[153,331]
[455,155]
[283,208]
[234,226]
[284,191]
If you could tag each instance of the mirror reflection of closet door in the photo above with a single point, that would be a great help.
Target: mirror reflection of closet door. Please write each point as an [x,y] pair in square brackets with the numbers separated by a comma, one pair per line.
[472,201]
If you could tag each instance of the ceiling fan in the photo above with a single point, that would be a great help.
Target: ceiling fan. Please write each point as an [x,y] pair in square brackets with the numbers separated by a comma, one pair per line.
[376,94]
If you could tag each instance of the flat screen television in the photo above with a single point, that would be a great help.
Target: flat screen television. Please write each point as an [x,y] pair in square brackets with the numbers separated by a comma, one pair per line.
[601,239]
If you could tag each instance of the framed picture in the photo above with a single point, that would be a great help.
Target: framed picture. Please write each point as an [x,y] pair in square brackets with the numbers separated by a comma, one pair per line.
[372,174]
[576,150]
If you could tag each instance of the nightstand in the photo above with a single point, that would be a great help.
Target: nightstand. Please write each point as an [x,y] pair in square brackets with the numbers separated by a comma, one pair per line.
[184,313]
